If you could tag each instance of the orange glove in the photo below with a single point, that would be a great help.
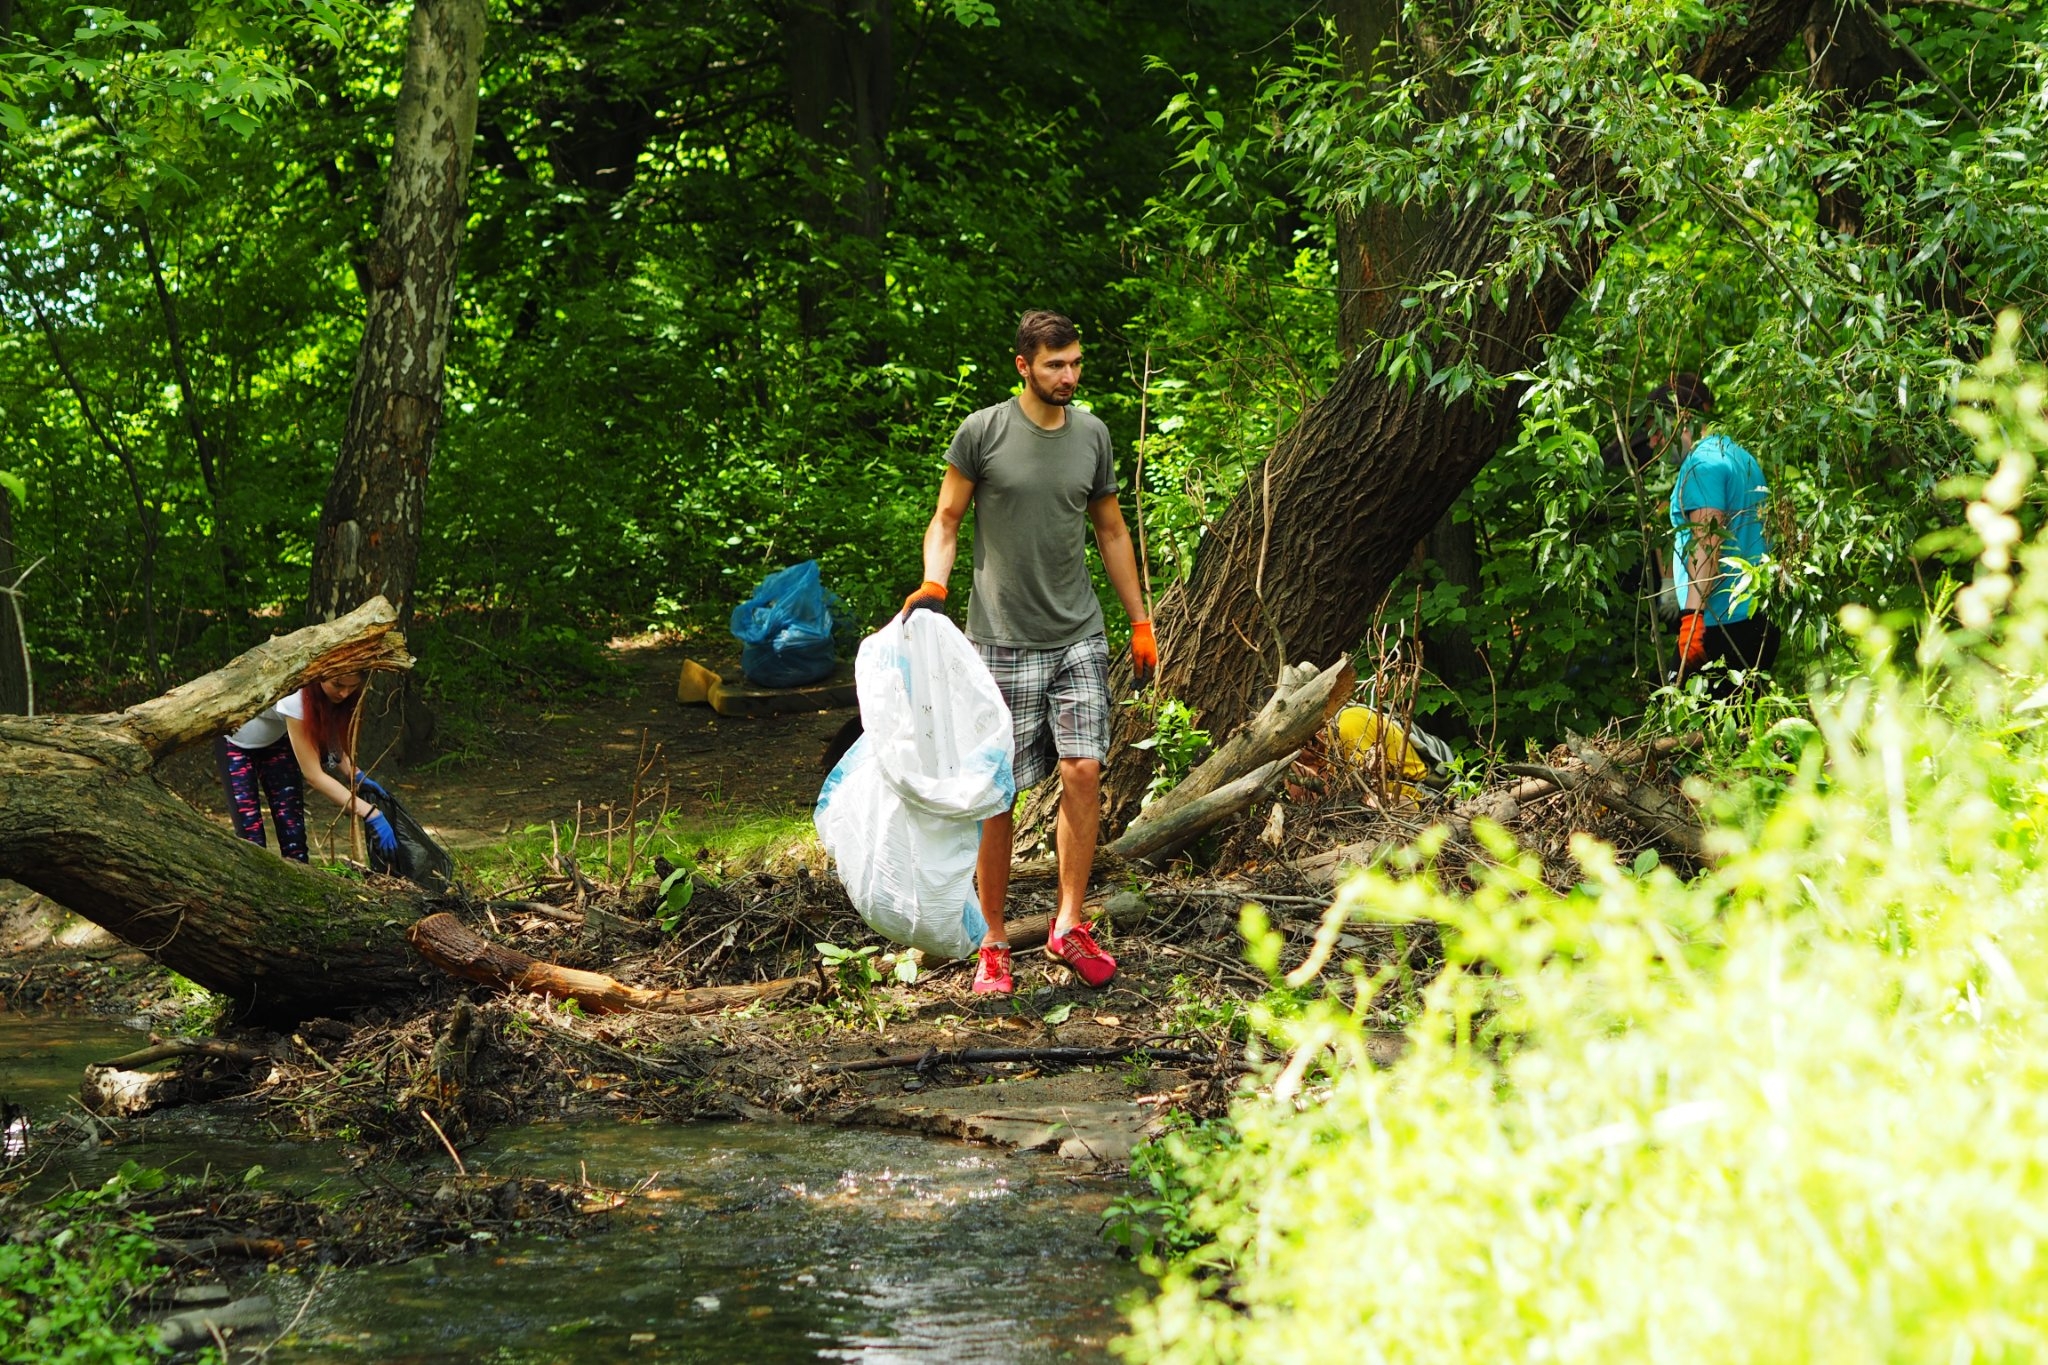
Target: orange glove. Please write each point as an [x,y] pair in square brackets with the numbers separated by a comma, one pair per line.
[1144,653]
[1692,641]
[927,597]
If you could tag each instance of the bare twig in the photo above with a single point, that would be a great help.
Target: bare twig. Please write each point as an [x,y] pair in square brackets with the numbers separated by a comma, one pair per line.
[460,1169]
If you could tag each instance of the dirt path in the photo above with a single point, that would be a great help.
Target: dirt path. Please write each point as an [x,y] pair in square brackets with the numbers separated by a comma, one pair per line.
[550,759]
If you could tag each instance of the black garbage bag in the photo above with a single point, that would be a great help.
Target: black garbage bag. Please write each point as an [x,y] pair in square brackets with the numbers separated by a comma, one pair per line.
[418,858]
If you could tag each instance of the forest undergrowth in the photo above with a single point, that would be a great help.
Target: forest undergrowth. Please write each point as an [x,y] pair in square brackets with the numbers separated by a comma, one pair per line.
[1789,1107]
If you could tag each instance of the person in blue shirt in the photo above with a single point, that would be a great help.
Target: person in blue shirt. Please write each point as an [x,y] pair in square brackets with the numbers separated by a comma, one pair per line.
[1717,505]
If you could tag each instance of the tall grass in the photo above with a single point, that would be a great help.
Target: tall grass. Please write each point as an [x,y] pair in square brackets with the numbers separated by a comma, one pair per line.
[1794,1109]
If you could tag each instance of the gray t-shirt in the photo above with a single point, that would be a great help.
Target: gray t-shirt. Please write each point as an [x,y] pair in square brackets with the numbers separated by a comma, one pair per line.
[1032,488]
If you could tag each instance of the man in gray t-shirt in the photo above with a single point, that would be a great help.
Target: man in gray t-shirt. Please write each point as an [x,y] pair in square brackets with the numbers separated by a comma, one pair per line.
[1037,473]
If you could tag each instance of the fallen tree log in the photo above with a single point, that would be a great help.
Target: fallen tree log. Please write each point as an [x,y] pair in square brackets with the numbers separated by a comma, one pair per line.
[458,950]
[1238,773]
[204,1326]
[115,1094]
[119,1089]
[1289,719]
[84,821]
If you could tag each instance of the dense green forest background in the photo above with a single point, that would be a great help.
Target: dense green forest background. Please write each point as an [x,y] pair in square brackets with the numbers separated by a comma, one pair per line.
[733,273]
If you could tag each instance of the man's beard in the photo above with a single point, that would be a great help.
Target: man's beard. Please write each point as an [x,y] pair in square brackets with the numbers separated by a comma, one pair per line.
[1051,399]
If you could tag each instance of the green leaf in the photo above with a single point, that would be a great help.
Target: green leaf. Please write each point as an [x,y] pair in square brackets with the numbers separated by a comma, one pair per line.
[13,484]
[1058,1014]
[678,889]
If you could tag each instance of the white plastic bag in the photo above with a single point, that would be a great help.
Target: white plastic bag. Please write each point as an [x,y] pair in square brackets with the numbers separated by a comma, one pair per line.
[901,814]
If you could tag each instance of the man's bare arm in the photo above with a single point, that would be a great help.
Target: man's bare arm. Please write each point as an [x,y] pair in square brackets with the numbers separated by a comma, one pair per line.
[942,536]
[1119,560]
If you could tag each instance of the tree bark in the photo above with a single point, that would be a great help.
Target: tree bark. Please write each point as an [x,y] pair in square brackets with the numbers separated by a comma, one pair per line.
[1850,56]
[1378,248]
[369,536]
[1301,559]
[84,821]
[14,678]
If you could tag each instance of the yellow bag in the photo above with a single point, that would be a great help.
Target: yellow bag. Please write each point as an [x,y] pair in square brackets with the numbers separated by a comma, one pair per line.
[1369,738]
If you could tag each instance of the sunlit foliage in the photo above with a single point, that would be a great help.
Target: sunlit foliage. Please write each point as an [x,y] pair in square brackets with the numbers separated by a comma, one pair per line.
[1791,1109]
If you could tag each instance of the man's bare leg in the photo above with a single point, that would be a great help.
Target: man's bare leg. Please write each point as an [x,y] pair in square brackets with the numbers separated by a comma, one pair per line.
[1080,820]
[992,874]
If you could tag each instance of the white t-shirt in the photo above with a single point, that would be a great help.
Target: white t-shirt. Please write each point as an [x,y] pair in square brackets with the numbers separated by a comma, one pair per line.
[267,728]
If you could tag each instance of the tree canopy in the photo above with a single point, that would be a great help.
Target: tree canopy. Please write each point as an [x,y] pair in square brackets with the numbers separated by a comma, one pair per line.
[732,274]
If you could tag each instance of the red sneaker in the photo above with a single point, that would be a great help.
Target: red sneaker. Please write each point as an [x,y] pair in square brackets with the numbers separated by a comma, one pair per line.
[992,972]
[1079,950]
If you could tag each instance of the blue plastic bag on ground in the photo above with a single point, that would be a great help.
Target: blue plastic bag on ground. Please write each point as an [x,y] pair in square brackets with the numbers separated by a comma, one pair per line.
[785,629]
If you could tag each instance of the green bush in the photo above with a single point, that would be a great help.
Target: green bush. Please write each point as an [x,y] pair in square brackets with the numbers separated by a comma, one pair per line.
[1795,1109]
[71,1275]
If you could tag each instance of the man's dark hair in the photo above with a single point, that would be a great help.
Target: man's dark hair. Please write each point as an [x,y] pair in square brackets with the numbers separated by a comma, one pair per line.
[1685,393]
[1041,329]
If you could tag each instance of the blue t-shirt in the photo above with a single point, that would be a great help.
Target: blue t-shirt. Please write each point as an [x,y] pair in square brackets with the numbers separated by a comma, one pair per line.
[1719,473]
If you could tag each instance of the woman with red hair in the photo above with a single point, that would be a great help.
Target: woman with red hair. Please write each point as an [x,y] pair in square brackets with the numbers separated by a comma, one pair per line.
[290,744]
[325,730]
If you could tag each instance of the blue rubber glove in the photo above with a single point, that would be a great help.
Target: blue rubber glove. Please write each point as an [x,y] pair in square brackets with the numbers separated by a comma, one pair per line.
[381,837]
[368,783]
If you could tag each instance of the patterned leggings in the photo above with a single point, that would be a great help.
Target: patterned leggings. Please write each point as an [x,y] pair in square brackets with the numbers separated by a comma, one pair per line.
[276,768]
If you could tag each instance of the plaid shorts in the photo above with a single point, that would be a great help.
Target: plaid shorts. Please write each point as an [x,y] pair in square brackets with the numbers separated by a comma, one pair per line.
[1059,703]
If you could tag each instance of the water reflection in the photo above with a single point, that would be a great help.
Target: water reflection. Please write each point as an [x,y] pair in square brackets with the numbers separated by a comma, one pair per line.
[742,1242]
[757,1243]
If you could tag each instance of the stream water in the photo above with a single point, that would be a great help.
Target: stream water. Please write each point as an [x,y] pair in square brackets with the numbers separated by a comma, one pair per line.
[746,1242]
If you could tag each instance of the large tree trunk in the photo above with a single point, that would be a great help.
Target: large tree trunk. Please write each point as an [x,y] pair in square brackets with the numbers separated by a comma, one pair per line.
[369,536]
[1378,248]
[1851,56]
[369,539]
[84,821]
[1301,559]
